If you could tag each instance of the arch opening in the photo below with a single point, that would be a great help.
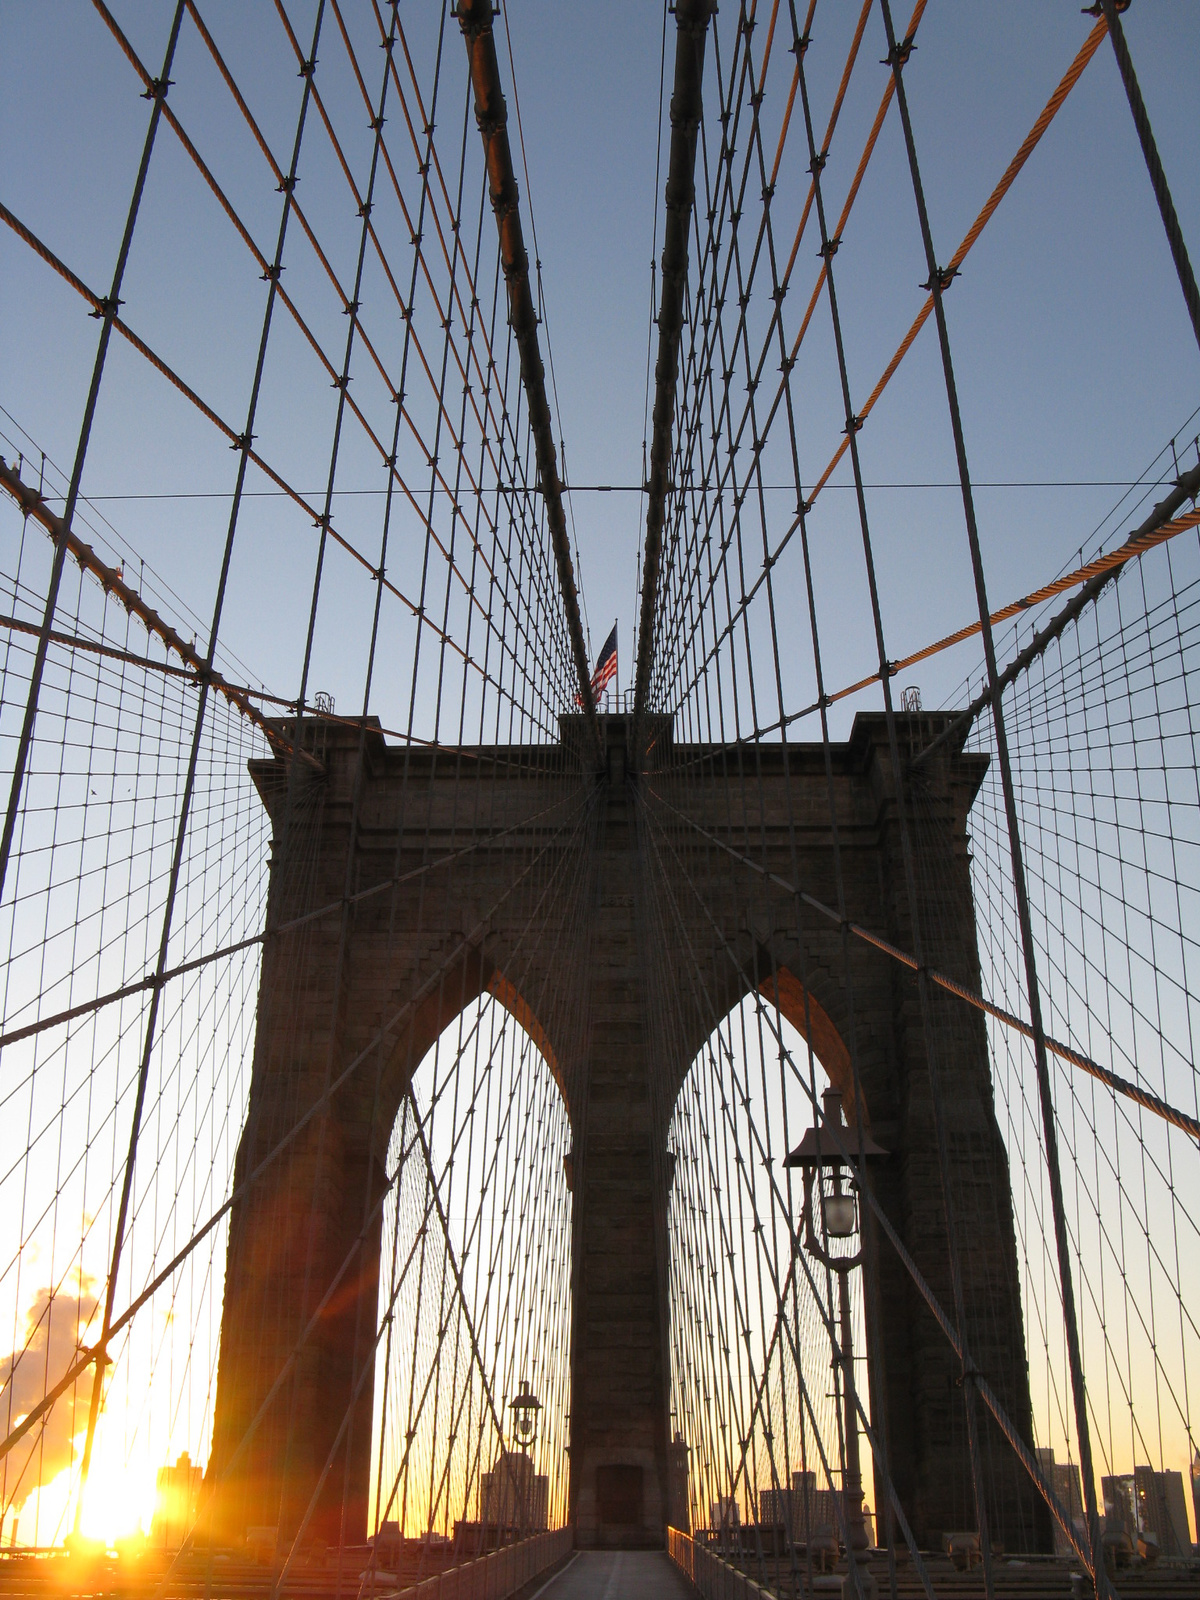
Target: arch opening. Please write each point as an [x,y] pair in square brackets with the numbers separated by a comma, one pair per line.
[754,1317]
[474,1293]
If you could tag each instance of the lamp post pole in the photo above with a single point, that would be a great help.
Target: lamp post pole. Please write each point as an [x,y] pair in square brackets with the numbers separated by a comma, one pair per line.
[823,1151]
[852,1484]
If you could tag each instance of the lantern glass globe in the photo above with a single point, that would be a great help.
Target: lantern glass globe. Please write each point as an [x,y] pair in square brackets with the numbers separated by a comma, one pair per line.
[839,1212]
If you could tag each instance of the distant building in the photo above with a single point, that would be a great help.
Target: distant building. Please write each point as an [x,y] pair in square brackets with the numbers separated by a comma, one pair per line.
[178,1494]
[1063,1478]
[1196,1493]
[1120,1505]
[678,1504]
[775,1507]
[512,1495]
[803,1508]
[724,1515]
[1162,1509]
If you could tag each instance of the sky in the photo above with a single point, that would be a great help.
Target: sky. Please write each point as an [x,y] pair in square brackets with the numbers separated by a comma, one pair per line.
[1075,361]
[1073,352]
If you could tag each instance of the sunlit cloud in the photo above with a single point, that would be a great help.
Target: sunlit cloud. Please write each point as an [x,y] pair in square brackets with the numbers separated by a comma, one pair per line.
[55,1324]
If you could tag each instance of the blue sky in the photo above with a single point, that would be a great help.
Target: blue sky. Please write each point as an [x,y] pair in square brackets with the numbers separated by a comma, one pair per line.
[1074,356]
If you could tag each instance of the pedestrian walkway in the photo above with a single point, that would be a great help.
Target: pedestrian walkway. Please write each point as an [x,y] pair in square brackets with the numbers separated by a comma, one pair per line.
[618,1575]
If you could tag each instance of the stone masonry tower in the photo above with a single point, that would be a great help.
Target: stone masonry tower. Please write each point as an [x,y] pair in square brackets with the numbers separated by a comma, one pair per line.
[302,1279]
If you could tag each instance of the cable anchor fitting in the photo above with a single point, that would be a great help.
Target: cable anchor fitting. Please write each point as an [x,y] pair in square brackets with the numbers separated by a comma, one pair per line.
[106,307]
[476,27]
[942,277]
[158,89]
[898,55]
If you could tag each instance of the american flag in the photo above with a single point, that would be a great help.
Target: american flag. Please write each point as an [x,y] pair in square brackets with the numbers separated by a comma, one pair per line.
[606,668]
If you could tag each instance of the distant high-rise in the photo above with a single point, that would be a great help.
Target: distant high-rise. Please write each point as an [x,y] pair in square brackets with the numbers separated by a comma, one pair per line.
[1120,1505]
[1162,1509]
[1196,1493]
[678,1504]
[803,1508]
[724,1514]
[178,1490]
[1063,1478]
[512,1495]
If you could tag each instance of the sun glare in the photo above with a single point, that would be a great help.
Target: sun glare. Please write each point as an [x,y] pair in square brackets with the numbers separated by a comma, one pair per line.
[119,1502]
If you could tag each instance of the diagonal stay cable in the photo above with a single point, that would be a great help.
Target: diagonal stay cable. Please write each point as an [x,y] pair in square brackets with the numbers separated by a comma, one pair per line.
[105,309]
[780,1292]
[1095,575]
[381,1034]
[1158,527]
[1032,139]
[112,581]
[86,1007]
[475,19]
[184,812]
[1076,1058]
[237,442]
[131,658]
[957,1342]
[1187,278]
[775,321]
[456,1271]
[692,18]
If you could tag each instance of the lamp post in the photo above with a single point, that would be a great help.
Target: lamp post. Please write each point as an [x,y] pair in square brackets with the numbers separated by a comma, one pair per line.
[525,1406]
[821,1156]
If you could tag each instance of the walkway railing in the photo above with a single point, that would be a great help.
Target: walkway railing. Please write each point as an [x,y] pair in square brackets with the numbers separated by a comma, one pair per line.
[715,1579]
[500,1573]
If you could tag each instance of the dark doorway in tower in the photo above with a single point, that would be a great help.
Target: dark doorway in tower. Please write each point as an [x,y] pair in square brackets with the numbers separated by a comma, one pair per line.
[619,1503]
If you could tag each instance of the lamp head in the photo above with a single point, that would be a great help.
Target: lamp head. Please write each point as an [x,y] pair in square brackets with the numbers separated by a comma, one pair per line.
[524,1406]
[831,1142]
[822,1155]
